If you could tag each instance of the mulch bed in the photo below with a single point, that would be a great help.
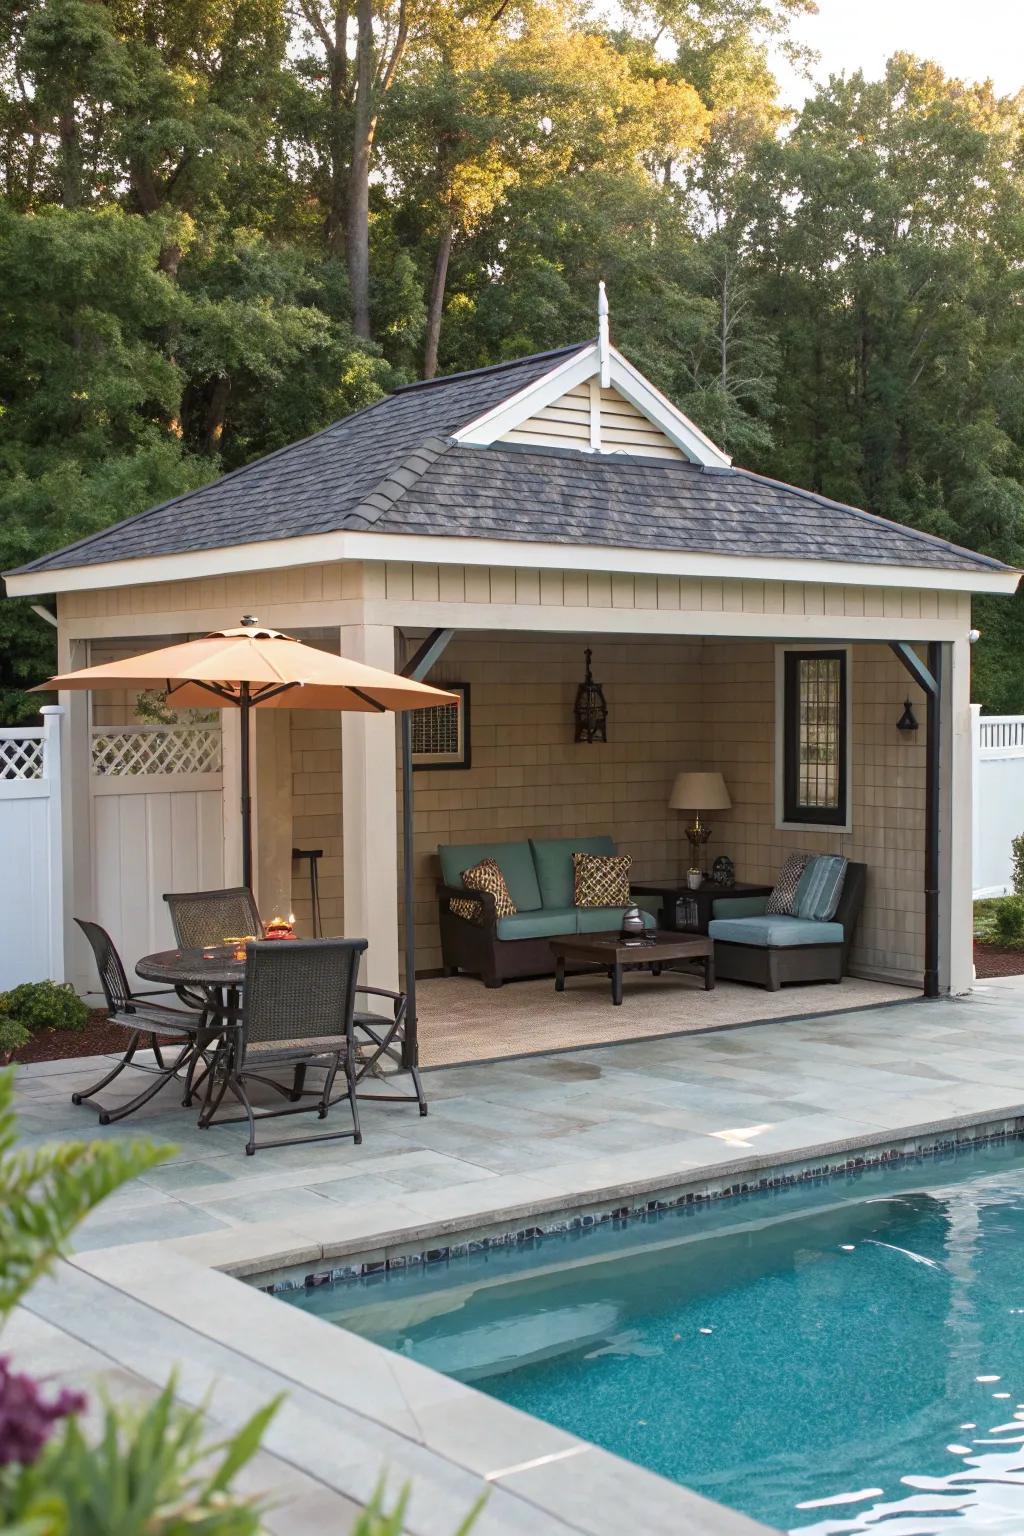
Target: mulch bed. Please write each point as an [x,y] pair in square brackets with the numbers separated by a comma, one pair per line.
[98,1038]
[990,961]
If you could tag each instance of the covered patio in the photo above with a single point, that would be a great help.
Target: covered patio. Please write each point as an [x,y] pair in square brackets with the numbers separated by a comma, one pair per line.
[495,526]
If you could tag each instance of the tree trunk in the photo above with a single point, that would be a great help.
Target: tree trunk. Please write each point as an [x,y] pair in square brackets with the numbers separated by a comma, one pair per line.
[435,306]
[337,68]
[357,218]
[71,158]
[216,412]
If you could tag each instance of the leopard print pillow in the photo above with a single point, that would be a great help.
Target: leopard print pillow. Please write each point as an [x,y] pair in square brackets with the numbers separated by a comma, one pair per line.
[485,876]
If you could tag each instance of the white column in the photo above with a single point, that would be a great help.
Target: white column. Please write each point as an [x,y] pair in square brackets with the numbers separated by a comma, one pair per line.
[52,715]
[76,817]
[956,954]
[369,788]
[231,794]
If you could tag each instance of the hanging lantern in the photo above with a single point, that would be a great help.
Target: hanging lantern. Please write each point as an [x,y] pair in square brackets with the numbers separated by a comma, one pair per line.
[908,720]
[590,710]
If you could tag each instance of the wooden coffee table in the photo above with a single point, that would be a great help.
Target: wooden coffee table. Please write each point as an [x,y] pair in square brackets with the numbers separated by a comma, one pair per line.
[608,951]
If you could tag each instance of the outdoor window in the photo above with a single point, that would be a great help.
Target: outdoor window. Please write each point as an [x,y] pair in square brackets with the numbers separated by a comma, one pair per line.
[814,737]
[440,735]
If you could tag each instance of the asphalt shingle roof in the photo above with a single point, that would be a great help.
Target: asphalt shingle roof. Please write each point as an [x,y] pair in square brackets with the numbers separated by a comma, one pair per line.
[393,468]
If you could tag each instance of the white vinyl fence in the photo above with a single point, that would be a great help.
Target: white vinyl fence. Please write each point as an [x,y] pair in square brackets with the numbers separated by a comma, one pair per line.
[998,799]
[31,895]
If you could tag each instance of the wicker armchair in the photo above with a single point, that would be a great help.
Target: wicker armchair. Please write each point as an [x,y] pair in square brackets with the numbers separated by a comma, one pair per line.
[191,1030]
[203,918]
[297,1012]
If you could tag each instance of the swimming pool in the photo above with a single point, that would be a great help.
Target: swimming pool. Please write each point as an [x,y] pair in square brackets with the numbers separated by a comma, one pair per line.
[844,1356]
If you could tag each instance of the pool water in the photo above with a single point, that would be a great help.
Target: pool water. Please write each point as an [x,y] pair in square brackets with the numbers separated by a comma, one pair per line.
[835,1357]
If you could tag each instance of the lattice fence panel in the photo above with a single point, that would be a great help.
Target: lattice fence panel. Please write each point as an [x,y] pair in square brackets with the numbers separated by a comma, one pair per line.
[21,757]
[156,750]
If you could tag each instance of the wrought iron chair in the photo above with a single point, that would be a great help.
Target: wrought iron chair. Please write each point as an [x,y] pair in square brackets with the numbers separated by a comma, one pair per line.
[133,1011]
[378,1038]
[297,1012]
[203,918]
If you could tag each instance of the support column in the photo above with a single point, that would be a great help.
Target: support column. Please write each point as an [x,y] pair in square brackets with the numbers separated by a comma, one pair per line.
[272,810]
[956,960]
[76,817]
[369,787]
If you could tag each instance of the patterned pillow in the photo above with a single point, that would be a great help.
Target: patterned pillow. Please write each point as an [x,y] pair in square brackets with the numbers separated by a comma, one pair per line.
[601,879]
[782,901]
[821,888]
[485,876]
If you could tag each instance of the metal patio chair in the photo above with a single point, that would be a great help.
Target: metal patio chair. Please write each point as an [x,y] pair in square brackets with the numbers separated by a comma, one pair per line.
[297,1013]
[189,1029]
[378,1038]
[203,918]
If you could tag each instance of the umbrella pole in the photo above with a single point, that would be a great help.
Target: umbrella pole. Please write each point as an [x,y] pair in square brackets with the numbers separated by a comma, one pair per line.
[244,707]
[410,1047]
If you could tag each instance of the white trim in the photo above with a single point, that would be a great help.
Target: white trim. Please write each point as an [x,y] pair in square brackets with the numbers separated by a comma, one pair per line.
[779,771]
[440,549]
[612,370]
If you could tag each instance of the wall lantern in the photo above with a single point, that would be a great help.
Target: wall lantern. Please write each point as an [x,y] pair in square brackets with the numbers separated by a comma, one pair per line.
[590,710]
[908,720]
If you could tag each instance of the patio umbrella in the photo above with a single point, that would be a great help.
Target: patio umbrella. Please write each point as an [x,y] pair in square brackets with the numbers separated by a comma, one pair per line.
[257,668]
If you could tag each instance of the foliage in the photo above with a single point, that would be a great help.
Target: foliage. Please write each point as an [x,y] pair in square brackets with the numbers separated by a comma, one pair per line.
[1008,921]
[1017,858]
[12,1034]
[148,1473]
[223,225]
[26,1417]
[376,1521]
[39,1005]
[47,1191]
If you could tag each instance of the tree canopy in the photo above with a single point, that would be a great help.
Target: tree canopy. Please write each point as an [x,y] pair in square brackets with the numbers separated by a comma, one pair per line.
[225,223]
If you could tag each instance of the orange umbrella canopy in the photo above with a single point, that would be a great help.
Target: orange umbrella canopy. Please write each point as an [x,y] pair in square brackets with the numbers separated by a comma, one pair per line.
[259,666]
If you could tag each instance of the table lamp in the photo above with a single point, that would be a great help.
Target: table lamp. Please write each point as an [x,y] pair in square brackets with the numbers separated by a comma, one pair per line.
[698,792]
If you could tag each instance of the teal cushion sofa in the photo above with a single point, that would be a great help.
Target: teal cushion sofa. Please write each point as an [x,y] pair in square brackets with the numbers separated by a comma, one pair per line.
[752,945]
[539,876]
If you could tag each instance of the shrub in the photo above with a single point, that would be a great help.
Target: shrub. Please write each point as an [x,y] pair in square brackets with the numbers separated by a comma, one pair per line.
[1017,853]
[1009,920]
[38,1005]
[12,1035]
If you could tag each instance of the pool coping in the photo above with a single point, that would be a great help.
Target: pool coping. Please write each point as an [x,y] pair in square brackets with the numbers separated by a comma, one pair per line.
[182,1297]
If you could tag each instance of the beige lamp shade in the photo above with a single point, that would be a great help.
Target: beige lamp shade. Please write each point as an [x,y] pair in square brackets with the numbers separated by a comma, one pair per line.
[699,792]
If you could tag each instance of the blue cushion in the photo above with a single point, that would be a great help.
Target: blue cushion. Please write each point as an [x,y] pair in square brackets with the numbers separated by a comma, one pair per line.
[513,859]
[774,932]
[605,919]
[821,885]
[538,925]
[739,906]
[553,859]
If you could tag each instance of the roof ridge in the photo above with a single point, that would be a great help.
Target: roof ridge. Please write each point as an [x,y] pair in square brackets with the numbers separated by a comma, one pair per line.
[197,490]
[870,517]
[399,479]
[474,373]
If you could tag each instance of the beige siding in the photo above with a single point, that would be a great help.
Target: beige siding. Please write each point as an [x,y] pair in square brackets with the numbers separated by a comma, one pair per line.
[566,423]
[627,430]
[563,424]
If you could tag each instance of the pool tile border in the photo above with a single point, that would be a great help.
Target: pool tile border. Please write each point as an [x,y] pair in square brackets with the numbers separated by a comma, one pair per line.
[954,1138]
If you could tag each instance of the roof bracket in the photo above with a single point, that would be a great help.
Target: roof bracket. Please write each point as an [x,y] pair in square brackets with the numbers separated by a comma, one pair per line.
[915,666]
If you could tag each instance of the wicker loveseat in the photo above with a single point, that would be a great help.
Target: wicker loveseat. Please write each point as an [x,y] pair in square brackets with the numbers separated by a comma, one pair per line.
[751,945]
[539,876]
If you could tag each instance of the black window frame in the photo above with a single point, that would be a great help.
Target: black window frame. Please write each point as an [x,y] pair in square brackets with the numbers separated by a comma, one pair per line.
[793,812]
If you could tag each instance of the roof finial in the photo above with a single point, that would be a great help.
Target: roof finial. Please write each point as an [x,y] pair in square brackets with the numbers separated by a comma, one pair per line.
[603,343]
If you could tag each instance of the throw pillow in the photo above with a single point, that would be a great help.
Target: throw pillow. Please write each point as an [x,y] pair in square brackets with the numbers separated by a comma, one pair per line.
[782,901]
[601,880]
[821,888]
[485,876]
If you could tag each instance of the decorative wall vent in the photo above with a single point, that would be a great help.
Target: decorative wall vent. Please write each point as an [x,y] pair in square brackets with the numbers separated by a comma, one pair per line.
[440,736]
[155,750]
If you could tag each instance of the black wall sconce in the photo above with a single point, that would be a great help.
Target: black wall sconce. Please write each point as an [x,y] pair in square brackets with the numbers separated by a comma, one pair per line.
[590,711]
[908,720]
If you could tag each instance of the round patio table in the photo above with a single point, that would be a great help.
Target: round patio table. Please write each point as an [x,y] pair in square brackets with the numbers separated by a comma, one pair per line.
[215,970]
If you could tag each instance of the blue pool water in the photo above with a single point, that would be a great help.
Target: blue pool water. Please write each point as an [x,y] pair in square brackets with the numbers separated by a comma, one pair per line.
[846,1356]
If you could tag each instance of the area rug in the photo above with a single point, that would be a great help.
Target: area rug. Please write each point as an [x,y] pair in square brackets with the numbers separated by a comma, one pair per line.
[460,1020]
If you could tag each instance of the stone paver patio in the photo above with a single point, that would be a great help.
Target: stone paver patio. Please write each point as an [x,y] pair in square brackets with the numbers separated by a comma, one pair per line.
[512,1138]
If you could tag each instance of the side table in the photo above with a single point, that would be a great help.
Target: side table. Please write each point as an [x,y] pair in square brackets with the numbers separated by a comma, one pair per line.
[686,911]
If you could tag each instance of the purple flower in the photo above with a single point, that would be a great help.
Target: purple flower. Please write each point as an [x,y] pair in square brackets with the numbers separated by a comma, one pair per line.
[26,1421]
